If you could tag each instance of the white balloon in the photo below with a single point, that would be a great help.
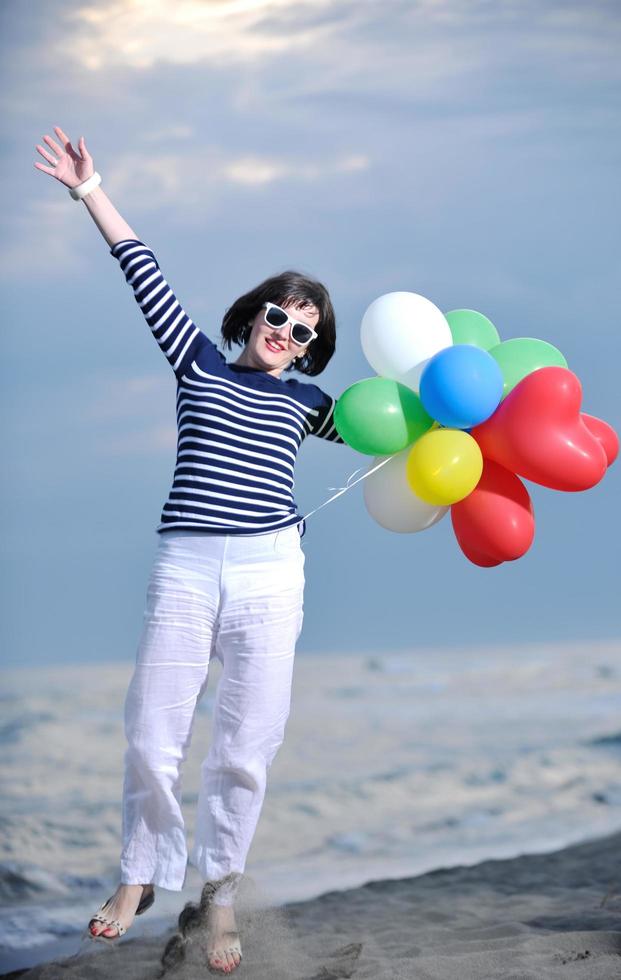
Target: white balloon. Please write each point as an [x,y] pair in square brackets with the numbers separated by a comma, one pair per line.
[390,500]
[400,332]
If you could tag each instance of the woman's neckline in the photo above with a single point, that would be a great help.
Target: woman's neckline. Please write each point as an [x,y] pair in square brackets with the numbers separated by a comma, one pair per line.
[264,374]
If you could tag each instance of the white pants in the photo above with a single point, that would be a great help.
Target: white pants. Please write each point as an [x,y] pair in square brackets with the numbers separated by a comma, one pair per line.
[238,598]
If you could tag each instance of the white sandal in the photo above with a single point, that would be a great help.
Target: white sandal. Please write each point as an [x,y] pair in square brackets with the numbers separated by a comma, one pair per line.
[235,947]
[145,903]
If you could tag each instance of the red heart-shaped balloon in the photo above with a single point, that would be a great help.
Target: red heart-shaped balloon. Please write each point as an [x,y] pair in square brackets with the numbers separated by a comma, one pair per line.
[605,434]
[478,558]
[537,431]
[495,522]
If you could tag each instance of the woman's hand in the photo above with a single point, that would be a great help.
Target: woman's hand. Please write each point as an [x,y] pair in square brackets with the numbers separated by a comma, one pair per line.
[69,167]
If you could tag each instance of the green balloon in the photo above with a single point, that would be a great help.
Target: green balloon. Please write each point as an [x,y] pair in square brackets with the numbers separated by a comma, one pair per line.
[380,417]
[523,355]
[470,327]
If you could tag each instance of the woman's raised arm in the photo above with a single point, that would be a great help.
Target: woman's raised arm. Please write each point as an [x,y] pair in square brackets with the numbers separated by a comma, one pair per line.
[72,168]
[179,338]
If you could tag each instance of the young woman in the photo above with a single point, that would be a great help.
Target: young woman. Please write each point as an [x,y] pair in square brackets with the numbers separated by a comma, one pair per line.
[228,576]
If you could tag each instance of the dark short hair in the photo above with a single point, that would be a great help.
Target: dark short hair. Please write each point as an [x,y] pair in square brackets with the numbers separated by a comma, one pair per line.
[286,287]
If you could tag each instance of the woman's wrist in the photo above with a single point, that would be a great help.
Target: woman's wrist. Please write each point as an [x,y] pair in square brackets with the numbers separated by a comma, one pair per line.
[92,196]
[110,223]
[86,187]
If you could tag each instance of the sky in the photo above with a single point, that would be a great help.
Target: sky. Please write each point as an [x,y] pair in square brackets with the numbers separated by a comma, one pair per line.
[465,151]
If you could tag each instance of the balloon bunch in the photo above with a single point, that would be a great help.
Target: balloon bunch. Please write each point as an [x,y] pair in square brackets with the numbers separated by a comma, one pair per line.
[456,417]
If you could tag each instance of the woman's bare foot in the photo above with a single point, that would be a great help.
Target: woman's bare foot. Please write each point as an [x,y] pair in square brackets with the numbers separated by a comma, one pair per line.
[122,906]
[223,949]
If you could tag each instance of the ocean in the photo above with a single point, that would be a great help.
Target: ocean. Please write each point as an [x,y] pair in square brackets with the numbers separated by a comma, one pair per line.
[394,764]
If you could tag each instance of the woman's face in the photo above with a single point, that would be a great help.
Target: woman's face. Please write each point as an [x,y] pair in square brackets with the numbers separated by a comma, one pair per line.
[272,350]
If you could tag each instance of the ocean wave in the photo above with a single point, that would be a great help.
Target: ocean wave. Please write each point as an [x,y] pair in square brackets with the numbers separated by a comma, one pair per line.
[613,740]
[11,731]
[23,881]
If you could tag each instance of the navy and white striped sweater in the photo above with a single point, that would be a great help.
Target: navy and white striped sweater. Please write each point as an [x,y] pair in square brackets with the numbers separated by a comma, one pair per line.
[238,429]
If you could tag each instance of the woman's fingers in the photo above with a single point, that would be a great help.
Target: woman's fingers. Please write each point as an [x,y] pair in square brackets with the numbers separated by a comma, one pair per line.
[54,145]
[82,148]
[47,156]
[47,170]
[62,136]
[66,142]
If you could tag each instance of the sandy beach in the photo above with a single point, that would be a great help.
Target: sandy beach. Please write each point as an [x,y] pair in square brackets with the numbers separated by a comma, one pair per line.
[534,917]
[456,814]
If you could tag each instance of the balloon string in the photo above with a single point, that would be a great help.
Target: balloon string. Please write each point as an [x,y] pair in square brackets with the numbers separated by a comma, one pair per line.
[347,486]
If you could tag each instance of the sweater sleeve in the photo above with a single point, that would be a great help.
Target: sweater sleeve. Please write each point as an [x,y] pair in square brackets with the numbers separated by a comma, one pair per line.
[324,424]
[179,338]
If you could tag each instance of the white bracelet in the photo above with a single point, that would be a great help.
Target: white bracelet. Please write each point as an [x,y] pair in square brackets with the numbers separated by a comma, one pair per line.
[77,193]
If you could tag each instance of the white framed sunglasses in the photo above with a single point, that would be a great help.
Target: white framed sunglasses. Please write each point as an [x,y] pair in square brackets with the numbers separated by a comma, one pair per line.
[278,318]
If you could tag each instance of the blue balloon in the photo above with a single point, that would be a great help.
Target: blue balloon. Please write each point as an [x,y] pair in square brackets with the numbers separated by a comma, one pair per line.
[461,386]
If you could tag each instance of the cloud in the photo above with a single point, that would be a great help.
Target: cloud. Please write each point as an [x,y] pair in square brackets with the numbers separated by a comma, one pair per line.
[167,133]
[257,170]
[139,35]
[174,178]
[45,237]
[424,99]
[298,47]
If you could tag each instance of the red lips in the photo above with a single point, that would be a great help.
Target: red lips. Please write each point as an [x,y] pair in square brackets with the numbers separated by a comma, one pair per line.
[268,342]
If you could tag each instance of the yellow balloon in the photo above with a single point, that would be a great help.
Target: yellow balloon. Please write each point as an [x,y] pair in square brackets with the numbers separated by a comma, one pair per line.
[444,466]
